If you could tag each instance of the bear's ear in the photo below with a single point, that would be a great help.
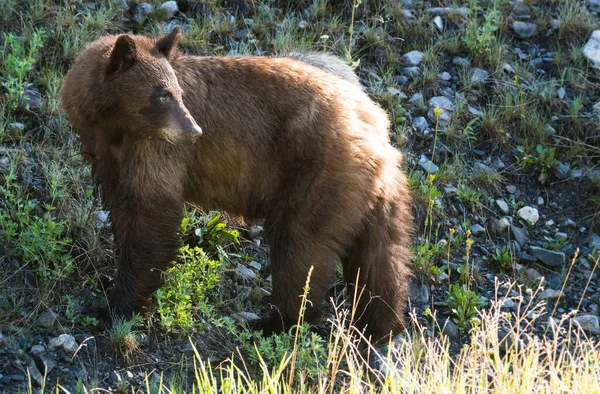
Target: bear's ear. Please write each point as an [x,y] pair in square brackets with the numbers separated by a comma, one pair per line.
[168,43]
[123,55]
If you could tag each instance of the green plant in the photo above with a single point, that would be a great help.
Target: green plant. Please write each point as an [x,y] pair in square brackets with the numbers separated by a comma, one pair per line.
[467,195]
[32,235]
[544,162]
[480,38]
[464,304]
[502,257]
[425,258]
[17,63]
[183,296]
[75,316]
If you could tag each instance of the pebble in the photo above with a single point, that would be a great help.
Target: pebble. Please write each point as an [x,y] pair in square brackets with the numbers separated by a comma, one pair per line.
[451,330]
[428,165]
[16,126]
[503,225]
[420,292]
[508,68]
[445,76]
[256,265]
[540,200]
[591,50]
[561,236]
[549,223]
[524,29]
[479,76]
[570,223]
[246,316]
[588,323]
[33,98]
[447,107]
[503,206]
[412,58]
[477,230]
[529,214]
[47,319]
[258,293]
[142,12]
[520,235]
[439,23]
[412,71]
[420,123]
[461,62]
[548,257]
[37,349]
[512,189]
[550,294]
[64,341]
[244,273]
[533,274]
[254,231]
[4,165]
[170,9]
[563,171]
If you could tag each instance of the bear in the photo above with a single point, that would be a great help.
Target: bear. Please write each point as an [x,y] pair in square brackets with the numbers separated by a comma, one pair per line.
[264,138]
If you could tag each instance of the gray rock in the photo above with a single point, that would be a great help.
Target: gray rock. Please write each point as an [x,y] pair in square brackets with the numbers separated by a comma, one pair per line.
[576,173]
[169,9]
[244,273]
[428,165]
[142,12]
[520,235]
[450,329]
[102,219]
[524,29]
[533,274]
[475,111]
[17,126]
[33,98]
[561,236]
[258,293]
[246,316]
[570,223]
[396,92]
[445,76]
[254,231]
[508,68]
[594,5]
[417,97]
[595,241]
[4,165]
[65,342]
[507,303]
[256,265]
[439,23]
[37,349]
[512,189]
[591,50]
[400,79]
[477,229]
[123,5]
[550,294]
[548,257]
[563,171]
[503,225]
[521,11]
[302,25]
[529,214]
[412,58]
[588,323]
[446,105]
[420,292]
[47,319]
[540,200]
[497,164]
[479,76]
[461,61]
[561,93]
[412,71]
[503,206]
[35,373]
[420,124]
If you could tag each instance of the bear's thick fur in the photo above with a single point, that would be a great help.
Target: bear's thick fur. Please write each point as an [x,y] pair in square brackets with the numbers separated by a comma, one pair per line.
[281,140]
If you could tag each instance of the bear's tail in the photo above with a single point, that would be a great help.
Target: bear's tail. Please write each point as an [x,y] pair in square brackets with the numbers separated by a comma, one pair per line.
[380,258]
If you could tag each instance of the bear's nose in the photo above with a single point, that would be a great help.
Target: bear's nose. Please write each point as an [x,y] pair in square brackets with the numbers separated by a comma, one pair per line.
[194,129]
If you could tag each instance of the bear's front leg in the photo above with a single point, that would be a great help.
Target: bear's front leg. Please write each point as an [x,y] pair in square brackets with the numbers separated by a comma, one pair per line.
[147,236]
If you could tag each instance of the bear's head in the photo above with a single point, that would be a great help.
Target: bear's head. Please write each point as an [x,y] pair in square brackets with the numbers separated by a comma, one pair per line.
[148,97]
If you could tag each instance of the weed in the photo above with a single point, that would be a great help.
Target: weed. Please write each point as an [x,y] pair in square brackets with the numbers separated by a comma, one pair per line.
[183,296]
[544,162]
[464,304]
[502,257]
[122,336]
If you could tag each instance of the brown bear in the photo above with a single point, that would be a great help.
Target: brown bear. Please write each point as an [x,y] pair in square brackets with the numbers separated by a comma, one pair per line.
[280,140]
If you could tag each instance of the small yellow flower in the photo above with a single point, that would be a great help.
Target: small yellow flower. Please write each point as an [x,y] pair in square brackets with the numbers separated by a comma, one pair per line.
[468,233]
[452,230]
[469,242]
[437,111]
[516,79]
[431,177]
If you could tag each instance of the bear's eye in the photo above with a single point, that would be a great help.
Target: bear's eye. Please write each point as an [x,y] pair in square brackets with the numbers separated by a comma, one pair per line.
[163,98]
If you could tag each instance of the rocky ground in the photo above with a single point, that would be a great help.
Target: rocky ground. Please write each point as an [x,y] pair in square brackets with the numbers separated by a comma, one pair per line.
[495,105]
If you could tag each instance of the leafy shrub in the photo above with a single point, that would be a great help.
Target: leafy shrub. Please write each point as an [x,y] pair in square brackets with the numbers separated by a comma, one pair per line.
[464,304]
